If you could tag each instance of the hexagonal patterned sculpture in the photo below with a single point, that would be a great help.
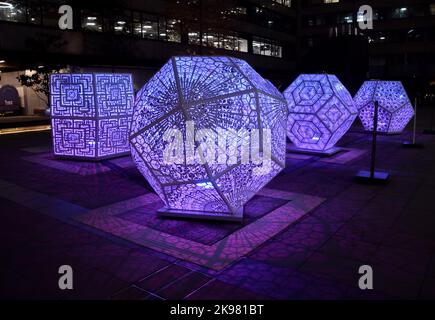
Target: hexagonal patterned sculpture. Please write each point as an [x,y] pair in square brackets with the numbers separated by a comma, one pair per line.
[91,115]
[321,111]
[225,95]
[395,108]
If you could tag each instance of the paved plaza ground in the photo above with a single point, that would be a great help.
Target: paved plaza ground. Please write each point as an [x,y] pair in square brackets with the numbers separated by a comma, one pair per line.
[304,237]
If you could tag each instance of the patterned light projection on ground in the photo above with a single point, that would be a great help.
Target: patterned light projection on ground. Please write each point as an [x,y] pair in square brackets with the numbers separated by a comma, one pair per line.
[321,111]
[217,93]
[91,114]
[395,109]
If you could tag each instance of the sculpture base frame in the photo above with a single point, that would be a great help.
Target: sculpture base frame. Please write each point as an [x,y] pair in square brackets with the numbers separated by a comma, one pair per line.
[200,215]
[411,145]
[380,133]
[91,159]
[379,177]
[325,153]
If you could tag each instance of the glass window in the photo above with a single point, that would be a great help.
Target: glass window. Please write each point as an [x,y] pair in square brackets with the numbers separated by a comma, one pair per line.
[415,35]
[346,18]
[92,21]
[236,12]
[266,47]
[122,22]
[137,24]
[50,15]
[417,11]
[13,11]
[173,30]
[149,28]
[193,36]
[320,21]
[400,13]
[210,39]
[256,47]
[215,39]
[242,44]
[162,29]
[234,43]
[170,30]
[34,12]
[309,22]
[287,3]
[228,42]
[310,42]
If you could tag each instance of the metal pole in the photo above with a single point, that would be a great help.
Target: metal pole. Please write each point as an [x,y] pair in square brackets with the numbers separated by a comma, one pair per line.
[415,122]
[375,135]
[431,119]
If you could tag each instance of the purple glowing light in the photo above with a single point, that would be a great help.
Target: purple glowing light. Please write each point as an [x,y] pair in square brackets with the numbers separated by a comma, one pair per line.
[321,111]
[395,108]
[91,114]
[215,93]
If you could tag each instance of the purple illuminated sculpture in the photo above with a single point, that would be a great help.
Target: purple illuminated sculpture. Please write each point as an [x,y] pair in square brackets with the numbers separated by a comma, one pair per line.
[395,109]
[91,115]
[224,95]
[321,111]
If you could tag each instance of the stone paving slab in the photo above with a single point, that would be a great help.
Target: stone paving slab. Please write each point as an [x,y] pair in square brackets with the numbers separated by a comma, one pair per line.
[345,156]
[38,149]
[202,231]
[218,255]
[82,168]
[313,257]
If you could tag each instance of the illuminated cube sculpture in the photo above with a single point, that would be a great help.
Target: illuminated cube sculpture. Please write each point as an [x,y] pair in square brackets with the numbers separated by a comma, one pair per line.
[91,115]
[321,111]
[217,93]
[395,108]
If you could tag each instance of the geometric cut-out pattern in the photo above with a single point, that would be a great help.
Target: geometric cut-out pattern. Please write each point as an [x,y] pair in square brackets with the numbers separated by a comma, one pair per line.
[215,93]
[395,109]
[321,111]
[91,114]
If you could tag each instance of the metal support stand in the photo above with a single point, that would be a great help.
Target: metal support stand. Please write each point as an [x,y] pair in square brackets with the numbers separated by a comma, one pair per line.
[201,215]
[373,176]
[412,144]
[326,153]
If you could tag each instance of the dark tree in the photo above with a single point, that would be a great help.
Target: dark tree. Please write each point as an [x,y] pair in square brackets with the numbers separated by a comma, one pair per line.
[39,81]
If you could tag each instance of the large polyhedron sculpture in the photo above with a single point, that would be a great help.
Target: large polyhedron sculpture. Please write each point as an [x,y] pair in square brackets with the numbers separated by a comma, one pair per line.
[217,93]
[395,108]
[321,111]
[91,115]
